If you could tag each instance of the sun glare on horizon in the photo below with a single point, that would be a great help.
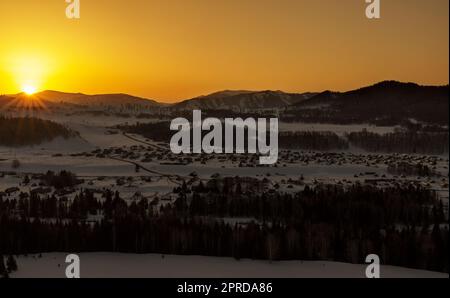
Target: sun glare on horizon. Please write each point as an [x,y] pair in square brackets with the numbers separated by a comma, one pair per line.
[28,72]
[29,89]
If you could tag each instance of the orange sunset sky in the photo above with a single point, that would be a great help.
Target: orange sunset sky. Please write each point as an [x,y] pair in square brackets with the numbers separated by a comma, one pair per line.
[176,49]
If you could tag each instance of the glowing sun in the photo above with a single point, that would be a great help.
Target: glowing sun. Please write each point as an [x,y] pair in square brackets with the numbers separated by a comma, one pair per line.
[28,89]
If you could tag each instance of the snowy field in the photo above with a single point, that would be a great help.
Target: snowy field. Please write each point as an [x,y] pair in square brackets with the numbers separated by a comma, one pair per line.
[91,166]
[103,173]
[116,265]
[95,133]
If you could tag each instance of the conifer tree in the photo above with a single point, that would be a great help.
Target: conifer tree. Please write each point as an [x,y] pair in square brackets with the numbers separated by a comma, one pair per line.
[3,271]
[11,264]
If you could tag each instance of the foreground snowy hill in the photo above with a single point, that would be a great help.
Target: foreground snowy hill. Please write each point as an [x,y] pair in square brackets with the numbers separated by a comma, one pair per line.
[115,265]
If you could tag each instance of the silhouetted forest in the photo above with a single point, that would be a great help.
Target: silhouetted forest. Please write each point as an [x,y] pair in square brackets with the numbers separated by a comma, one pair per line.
[312,140]
[156,131]
[401,224]
[24,131]
[387,103]
[423,141]
[401,142]
[60,180]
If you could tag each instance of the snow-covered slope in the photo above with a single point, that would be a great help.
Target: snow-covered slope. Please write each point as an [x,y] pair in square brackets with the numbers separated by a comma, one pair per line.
[243,100]
[115,265]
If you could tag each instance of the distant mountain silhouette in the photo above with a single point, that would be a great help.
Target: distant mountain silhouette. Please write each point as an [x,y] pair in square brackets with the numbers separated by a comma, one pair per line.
[58,96]
[224,94]
[388,101]
[242,100]
[385,99]
[94,100]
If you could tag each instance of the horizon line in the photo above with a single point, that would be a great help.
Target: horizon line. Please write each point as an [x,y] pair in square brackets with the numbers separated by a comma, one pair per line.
[175,101]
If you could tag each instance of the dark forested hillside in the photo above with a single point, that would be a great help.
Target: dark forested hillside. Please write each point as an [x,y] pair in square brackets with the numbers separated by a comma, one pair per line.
[243,100]
[30,131]
[388,101]
[424,141]
[401,224]
[401,142]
